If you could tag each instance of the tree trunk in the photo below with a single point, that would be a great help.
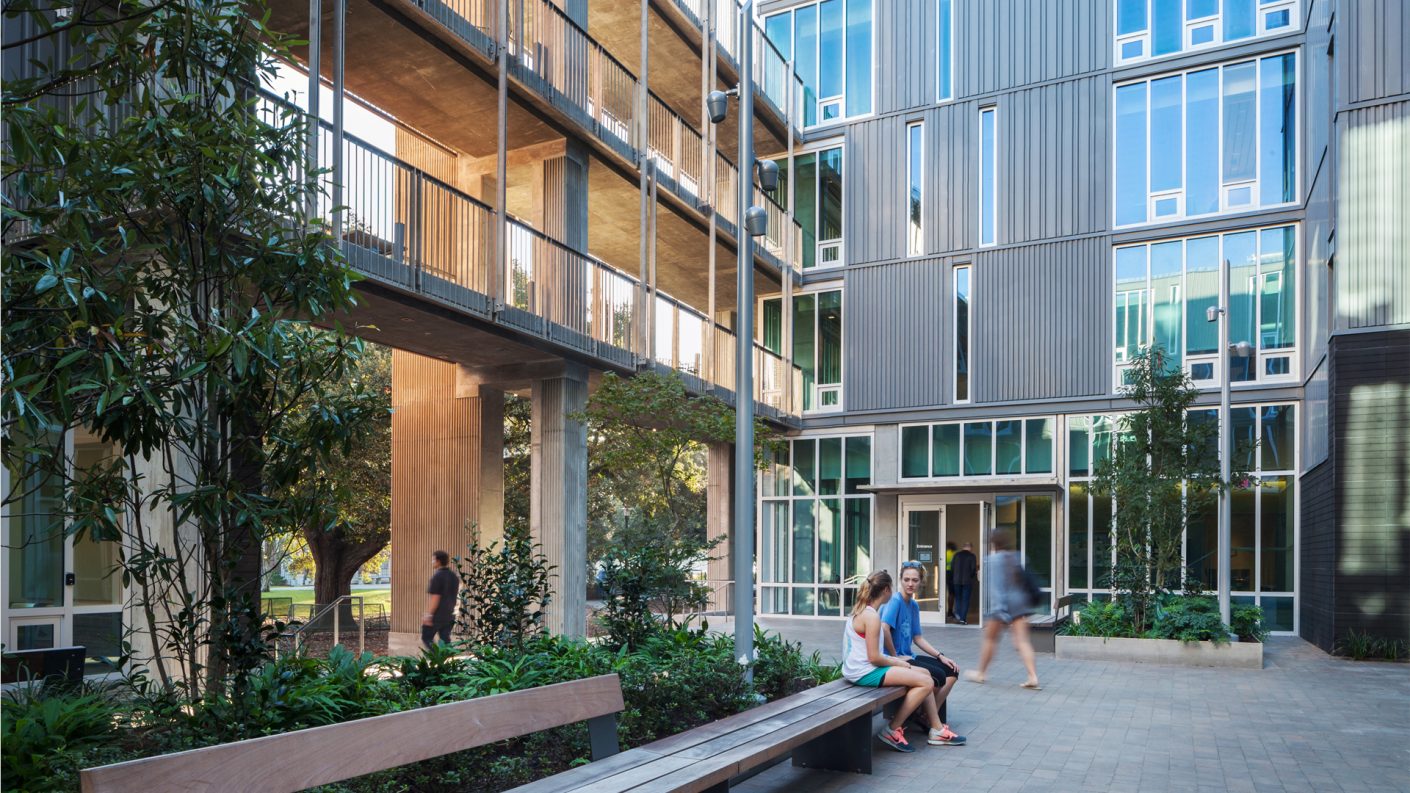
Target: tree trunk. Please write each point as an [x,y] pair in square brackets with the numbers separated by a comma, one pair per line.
[335,560]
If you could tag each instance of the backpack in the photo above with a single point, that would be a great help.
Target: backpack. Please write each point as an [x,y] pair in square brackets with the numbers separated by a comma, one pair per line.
[1030,587]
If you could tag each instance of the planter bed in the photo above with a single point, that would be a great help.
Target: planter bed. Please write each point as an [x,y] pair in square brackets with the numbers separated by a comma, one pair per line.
[1246,655]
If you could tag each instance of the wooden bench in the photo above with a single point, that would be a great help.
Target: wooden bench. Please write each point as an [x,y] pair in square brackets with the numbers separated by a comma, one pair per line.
[53,666]
[322,755]
[825,727]
[1044,628]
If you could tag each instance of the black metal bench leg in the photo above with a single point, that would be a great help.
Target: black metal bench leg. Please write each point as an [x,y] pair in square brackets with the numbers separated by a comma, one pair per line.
[602,735]
[847,748]
[889,712]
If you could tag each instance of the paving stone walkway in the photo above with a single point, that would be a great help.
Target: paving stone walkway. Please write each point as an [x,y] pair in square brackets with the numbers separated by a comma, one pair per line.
[1305,722]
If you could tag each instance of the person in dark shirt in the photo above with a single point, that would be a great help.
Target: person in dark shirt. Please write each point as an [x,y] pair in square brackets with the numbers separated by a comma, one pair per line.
[966,574]
[440,601]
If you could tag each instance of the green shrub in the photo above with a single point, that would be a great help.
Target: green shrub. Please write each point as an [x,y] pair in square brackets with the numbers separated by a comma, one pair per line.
[294,693]
[504,589]
[644,587]
[1188,619]
[1362,645]
[1247,622]
[677,680]
[781,669]
[1106,619]
[43,734]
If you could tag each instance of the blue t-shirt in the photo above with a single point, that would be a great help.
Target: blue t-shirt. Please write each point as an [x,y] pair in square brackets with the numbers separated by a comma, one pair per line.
[904,619]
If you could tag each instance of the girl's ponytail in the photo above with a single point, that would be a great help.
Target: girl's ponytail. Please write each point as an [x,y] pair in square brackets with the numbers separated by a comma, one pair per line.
[874,584]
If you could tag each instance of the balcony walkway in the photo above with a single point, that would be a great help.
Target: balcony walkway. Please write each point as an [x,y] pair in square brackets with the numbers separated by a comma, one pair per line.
[1305,722]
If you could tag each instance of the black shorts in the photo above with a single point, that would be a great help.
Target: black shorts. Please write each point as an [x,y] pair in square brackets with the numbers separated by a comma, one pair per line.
[938,669]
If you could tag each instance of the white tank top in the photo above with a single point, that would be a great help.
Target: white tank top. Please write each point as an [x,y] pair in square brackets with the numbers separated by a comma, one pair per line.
[855,665]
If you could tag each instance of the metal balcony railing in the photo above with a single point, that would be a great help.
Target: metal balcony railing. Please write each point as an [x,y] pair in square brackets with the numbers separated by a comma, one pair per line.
[408,228]
[560,61]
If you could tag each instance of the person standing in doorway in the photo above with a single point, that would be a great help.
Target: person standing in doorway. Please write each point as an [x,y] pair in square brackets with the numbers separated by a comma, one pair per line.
[1006,605]
[440,601]
[966,574]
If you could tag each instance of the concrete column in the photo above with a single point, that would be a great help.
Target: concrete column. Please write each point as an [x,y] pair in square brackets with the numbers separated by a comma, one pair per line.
[719,506]
[447,474]
[561,195]
[558,493]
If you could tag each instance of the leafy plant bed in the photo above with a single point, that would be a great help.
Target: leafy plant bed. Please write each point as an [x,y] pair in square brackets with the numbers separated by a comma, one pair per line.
[1247,655]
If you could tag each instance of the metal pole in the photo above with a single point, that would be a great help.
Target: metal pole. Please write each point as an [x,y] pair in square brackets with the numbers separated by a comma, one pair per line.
[499,269]
[707,77]
[1225,496]
[744,360]
[315,54]
[340,27]
[643,148]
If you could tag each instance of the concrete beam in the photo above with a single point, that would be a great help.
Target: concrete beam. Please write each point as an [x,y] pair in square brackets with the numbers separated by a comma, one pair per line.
[558,493]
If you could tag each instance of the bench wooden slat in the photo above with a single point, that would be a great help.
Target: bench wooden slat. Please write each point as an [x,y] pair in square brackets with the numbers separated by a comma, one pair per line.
[782,722]
[321,755]
[586,775]
[713,769]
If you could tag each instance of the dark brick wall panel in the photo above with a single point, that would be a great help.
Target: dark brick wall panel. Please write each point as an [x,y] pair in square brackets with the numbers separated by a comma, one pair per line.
[1370,553]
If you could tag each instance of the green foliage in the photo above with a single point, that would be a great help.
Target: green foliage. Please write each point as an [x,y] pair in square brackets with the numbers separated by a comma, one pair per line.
[1107,619]
[42,731]
[1189,619]
[157,247]
[1362,645]
[781,669]
[505,589]
[646,586]
[1163,467]
[296,692]
[1246,620]
[679,679]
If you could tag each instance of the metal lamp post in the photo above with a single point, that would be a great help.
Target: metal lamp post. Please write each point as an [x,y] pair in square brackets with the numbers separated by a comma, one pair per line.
[752,222]
[1243,349]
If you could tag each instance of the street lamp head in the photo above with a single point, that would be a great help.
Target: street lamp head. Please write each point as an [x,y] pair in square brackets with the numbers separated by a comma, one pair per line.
[717,102]
[756,221]
[768,175]
[1212,313]
[1241,349]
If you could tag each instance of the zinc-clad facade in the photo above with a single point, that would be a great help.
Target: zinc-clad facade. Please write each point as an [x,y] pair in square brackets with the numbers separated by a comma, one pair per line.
[1042,306]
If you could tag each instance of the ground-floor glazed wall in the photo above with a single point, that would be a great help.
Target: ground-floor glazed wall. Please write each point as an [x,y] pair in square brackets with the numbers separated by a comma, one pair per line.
[837,504]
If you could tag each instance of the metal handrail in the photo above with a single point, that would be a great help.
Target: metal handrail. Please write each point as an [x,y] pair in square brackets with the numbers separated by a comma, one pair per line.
[298,633]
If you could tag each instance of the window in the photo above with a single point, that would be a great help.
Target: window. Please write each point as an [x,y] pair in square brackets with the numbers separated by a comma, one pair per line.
[1262,535]
[1222,139]
[987,189]
[1164,289]
[815,540]
[1029,519]
[1090,549]
[1009,447]
[915,175]
[945,21]
[962,328]
[817,344]
[1148,29]
[831,46]
[816,181]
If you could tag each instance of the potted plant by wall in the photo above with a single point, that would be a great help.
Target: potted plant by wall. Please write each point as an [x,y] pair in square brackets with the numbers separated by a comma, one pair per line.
[1162,469]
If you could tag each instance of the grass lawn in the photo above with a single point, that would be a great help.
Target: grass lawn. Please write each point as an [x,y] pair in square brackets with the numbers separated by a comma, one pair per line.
[304,594]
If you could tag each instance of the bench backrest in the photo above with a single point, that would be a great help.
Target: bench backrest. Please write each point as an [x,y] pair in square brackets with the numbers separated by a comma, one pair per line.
[57,663]
[322,755]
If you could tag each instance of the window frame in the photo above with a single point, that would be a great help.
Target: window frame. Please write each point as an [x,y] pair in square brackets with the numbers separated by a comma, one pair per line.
[762,500]
[1221,362]
[940,19]
[955,334]
[993,163]
[818,148]
[1262,8]
[914,148]
[993,449]
[1225,210]
[841,98]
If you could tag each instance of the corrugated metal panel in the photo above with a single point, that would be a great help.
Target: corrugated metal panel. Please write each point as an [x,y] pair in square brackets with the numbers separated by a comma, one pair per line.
[1041,319]
[1052,160]
[906,67]
[896,326]
[1006,43]
[1373,49]
[1372,279]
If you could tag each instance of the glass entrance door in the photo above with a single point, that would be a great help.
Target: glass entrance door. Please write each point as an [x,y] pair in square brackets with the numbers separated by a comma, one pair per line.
[923,543]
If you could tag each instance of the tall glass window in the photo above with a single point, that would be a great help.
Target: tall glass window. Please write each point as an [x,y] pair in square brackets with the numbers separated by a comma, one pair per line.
[815,537]
[988,193]
[1163,290]
[1157,28]
[831,44]
[1263,541]
[1029,519]
[962,328]
[945,21]
[817,344]
[815,178]
[915,174]
[1089,515]
[1220,139]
